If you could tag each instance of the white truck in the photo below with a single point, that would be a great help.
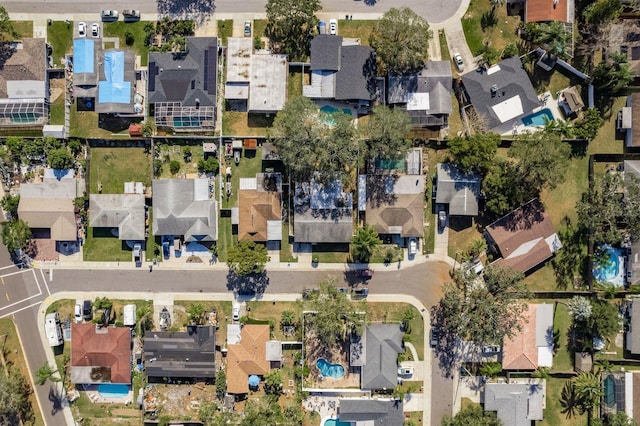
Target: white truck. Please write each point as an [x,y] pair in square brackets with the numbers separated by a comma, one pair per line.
[53,329]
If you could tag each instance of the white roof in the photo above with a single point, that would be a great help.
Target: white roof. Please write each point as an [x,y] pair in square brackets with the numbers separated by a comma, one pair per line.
[236,90]
[249,183]
[129,315]
[233,334]
[201,189]
[25,89]
[418,102]
[239,51]
[274,230]
[508,109]
[493,69]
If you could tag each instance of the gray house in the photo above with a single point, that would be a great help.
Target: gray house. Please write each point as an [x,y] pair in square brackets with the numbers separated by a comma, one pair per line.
[182,207]
[340,71]
[376,353]
[501,95]
[426,95]
[516,404]
[371,412]
[122,211]
[186,354]
[632,335]
[323,213]
[182,86]
[457,189]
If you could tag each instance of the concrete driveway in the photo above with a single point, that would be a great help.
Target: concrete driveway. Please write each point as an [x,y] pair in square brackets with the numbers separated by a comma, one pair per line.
[458,44]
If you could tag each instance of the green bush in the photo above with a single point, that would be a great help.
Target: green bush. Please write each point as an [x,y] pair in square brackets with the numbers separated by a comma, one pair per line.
[174,167]
[129,38]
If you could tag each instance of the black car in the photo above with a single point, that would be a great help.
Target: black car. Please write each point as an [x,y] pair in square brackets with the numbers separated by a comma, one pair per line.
[434,337]
[87,314]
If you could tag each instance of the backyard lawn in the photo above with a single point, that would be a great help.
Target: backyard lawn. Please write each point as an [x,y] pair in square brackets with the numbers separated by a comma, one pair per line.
[245,124]
[112,167]
[176,153]
[553,414]
[59,36]
[120,28]
[14,356]
[248,168]
[294,84]
[85,124]
[101,246]
[499,35]
[56,109]
[360,30]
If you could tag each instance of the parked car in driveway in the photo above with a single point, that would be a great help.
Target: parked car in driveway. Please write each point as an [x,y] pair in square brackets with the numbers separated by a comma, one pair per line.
[413,247]
[137,254]
[405,371]
[236,312]
[247,28]
[442,219]
[333,27]
[82,29]
[457,60]
[95,30]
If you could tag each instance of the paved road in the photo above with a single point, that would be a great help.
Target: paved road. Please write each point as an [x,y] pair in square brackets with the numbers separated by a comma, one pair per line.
[433,10]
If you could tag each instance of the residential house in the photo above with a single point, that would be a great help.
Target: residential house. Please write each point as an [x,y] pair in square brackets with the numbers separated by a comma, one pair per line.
[628,121]
[516,404]
[544,10]
[187,354]
[531,347]
[371,412]
[632,168]
[100,354]
[104,81]
[459,190]
[256,80]
[501,95]
[523,238]
[340,71]
[425,95]
[183,208]
[393,205]
[260,210]
[48,207]
[247,357]
[624,38]
[323,213]
[24,86]
[182,86]
[375,353]
[632,333]
[126,212]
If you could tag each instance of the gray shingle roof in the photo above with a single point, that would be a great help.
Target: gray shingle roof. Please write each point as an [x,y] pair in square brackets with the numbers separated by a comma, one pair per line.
[458,189]
[181,207]
[181,354]
[383,344]
[633,335]
[325,52]
[173,74]
[511,79]
[122,211]
[377,411]
[516,404]
[356,78]
[28,63]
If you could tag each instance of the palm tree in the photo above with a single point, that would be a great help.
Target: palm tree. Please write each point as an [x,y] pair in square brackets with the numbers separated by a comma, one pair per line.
[491,369]
[145,321]
[554,36]
[44,373]
[588,390]
[541,373]
[196,313]
[287,318]
[408,315]
[364,242]
[476,247]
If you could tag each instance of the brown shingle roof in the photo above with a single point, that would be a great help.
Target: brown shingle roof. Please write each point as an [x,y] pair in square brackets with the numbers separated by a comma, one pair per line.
[109,348]
[28,63]
[247,357]
[546,10]
[256,208]
[525,237]
[521,352]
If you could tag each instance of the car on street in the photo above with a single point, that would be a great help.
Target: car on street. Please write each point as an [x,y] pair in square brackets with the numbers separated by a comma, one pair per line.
[235,315]
[442,219]
[364,273]
[109,15]
[333,27]
[247,28]
[131,15]
[95,30]
[457,60]
[405,371]
[343,290]
[413,246]
[434,337]
[78,313]
[360,293]
[82,29]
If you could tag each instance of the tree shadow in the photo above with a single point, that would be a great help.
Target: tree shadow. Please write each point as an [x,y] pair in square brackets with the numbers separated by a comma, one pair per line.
[248,285]
[196,10]
[571,259]
[569,400]
[446,349]
[56,398]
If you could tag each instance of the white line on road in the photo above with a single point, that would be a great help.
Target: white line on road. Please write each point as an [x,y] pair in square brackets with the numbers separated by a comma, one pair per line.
[18,302]
[7,267]
[16,273]
[21,309]
[45,281]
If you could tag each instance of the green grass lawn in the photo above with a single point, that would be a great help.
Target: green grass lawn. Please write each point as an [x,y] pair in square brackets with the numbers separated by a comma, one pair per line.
[84,124]
[225,238]
[294,85]
[14,356]
[175,152]
[245,124]
[553,414]
[286,251]
[461,233]
[259,27]
[56,110]
[59,36]
[112,167]
[120,28]
[22,29]
[503,33]
[248,167]
[331,253]
[444,47]
[225,30]
[101,246]
[563,359]
[356,29]
[379,253]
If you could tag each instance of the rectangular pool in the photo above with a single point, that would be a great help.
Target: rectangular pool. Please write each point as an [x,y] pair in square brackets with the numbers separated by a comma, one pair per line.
[538,119]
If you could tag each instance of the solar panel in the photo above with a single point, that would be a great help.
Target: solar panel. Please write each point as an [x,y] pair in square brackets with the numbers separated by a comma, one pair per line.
[153,71]
[211,69]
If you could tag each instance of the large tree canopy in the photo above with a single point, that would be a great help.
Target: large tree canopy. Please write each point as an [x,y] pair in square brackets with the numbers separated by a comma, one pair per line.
[476,153]
[290,25]
[247,257]
[401,41]
[612,75]
[386,133]
[310,141]
[472,415]
[483,311]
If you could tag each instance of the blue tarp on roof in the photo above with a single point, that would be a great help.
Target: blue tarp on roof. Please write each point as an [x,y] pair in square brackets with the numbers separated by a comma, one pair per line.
[114,89]
[83,55]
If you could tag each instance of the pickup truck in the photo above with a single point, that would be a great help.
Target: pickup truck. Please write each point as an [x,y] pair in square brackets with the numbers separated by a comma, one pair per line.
[109,15]
[131,15]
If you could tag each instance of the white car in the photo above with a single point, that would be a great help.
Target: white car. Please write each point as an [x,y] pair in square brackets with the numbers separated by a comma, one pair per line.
[82,29]
[457,59]
[405,371]
[236,312]
[78,313]
[333,27]
[413,247]
[95,29]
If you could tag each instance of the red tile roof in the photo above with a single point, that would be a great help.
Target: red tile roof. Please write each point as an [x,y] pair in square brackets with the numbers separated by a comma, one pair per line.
[546,10]
[108,348]
[521,352]
[247,358]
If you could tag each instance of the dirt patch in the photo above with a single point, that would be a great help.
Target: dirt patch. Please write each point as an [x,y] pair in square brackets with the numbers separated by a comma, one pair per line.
[57,88]
[180,400]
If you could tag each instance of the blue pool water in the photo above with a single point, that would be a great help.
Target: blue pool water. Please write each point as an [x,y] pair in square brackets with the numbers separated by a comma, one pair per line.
[538,118]
[111,390]
[330,370]
[330,110]
[612,269]
[334,422]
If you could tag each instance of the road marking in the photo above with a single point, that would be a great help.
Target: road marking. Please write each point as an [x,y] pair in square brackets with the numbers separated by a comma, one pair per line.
[19,301]
[43,280]
[7,267]
[7,294]
[2,279]
[16,273]
[21,309]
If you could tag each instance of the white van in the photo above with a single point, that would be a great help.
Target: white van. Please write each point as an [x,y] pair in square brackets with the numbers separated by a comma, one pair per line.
[53,330]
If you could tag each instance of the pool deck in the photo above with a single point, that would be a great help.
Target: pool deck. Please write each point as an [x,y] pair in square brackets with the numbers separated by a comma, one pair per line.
[95,397]
[547,102]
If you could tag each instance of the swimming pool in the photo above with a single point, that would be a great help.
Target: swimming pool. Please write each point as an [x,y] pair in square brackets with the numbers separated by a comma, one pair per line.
[335,422]
[327,369]
[610,270]
[112,390]
[330,110]
[539,118]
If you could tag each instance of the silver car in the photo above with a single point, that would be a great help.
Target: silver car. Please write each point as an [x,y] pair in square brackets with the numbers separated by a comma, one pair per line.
[457,59]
